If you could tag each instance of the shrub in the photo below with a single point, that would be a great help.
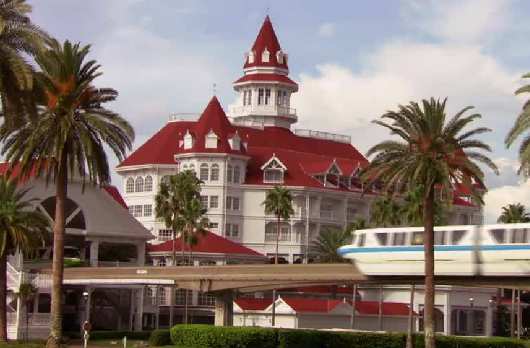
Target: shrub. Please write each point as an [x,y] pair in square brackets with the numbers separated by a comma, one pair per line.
[118,335]
[302,338]
[207,336]
[160,338]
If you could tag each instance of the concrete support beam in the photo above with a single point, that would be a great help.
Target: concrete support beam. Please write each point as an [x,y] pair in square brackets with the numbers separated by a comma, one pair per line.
[224,308]
[140,256]
[94,253]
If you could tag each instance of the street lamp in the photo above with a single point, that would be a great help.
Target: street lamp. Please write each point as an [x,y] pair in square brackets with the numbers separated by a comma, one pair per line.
[85,296]
[471,301]
[490,303]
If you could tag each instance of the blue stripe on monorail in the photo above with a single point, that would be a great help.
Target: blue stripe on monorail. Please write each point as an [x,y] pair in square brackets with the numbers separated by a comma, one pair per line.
[436,248]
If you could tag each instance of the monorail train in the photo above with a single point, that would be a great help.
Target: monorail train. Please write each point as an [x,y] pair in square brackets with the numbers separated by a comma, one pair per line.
[489,250]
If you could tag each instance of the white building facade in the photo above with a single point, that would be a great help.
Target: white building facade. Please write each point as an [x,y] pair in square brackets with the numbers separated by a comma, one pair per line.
[241,157]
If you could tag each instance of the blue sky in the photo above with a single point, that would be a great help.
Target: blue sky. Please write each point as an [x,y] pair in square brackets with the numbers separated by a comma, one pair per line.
[352,59]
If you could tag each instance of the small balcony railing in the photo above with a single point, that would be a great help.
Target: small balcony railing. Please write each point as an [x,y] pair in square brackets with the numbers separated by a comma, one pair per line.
[264,110]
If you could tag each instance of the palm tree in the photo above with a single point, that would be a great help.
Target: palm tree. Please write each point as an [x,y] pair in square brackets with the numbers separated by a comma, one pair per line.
[18,37]
[431,152]
[26,294]
[22,227]
[513,213]
[280,203]
[327,244]
[196,226]
[385,212]
[412,209]
[521,125]
[172,197]
[68,137]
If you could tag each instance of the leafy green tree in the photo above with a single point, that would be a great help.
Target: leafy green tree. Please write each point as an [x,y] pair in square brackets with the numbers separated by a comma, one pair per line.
[173,196]
[67,138]
[431,152]
[521,125]
[513,213]
[412,208]
[279,202]
[18,37]
[21,226]
[385,212]
[327,244]
[26,294]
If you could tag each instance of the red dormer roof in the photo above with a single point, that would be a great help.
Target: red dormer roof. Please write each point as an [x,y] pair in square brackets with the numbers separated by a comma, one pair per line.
[253,304]
[209,244]
[266,40]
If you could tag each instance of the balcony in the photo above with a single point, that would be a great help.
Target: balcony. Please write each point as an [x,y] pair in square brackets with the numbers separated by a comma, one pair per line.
[34,319]
[285,238]
[264,110]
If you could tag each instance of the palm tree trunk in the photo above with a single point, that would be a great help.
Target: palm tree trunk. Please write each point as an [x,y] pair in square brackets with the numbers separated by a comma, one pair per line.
[3,298]
[56,315]
[275,262]
[411,321]
[428,241]
[186,304]
[172,287]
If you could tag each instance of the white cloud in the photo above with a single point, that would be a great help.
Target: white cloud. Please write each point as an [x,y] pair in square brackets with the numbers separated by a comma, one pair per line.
[327,29]
[499,197]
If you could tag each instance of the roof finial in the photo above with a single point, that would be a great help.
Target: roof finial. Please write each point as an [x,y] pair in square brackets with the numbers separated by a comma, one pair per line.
[214,87]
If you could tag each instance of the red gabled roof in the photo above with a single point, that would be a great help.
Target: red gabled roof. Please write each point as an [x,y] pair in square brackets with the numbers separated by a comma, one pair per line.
[114,193]
[389,308]
[253,304]
[210,243]
[266,39]
[311,304]
[267,78]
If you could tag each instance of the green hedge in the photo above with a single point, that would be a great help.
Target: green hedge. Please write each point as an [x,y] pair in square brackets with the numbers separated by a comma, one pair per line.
[118,335]
[160,338]
[206,336]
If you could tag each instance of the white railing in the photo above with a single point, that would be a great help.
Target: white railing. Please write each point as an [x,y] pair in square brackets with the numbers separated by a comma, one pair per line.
[38,280]
[15,261]
[151,301]
[264,109]
[184,116]
[323,135]
[246,123]
[13,276]
[39,319]
[285,238]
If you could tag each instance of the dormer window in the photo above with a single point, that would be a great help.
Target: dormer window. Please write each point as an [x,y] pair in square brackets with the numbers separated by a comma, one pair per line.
[279,57]
[282,98]
[249,96]
[235,142]
[211,140]
[265,56]
[188,140]
[250,57]
[273,171]
[264,96]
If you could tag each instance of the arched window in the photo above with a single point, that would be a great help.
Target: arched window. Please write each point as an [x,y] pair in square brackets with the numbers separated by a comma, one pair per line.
[237,174]
[139,186]
[148,184]
[129,188]
[214,175]
[229,173]
[185,167]
[205,172]
[192,167]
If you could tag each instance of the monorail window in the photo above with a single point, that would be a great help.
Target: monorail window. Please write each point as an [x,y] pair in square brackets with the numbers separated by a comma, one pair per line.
[382,238]
[399,238]
[439,237]
[519,235]
[499,235]
[417,238]
[362,240]
[457,236]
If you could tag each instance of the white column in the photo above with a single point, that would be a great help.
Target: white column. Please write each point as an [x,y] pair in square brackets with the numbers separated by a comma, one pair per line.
[447,316]
[140,306]
[94,252]
[140,256]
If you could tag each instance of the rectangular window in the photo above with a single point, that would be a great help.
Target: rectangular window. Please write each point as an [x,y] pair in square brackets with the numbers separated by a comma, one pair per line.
[417,238]
[273,175]
[164,235]
[204,173]
[214,201]
[267,96]
[228,230]
[235,230]
[131,209]
[362,240]
[284,234]
[499,235]
[235,203]
[206,299]
[261,94]
[249,97]
[457,236]
[229,172]
[280,99]
[382,238]
[204,201]
[148,210]
[519,235]
[214,225]
[244,98]
[326,211]
[439,237]
[399,239]
[284,98]
[137,211]
[228,202]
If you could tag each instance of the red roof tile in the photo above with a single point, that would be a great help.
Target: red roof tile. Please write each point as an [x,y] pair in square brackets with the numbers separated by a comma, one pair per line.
[267,78]
[266,39]
[311,304]
[210,243]
[253,304]
[389,308]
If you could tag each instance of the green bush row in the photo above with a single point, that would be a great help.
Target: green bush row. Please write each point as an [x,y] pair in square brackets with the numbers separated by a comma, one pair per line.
[160,338]
[118,335]
[206,336]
